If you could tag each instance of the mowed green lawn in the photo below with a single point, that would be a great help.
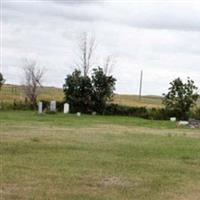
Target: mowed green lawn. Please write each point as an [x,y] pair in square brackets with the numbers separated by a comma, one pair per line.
[65,157]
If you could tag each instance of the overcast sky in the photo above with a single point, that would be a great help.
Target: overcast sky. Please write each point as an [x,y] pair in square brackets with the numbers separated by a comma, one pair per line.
[160,37]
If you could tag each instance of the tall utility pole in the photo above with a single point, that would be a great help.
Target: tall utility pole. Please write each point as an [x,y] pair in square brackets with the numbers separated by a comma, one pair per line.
[140,90]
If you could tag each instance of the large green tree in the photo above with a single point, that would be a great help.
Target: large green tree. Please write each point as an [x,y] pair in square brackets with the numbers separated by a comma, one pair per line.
[103,87]
[181,97]
[86,94]
[2,80]
[78,92]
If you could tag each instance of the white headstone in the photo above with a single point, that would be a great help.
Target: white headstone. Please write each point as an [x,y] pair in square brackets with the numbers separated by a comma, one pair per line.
[40,107]
[94,113]
[172,119]
[66,108]
[78,114]
[183,123]
[53,106]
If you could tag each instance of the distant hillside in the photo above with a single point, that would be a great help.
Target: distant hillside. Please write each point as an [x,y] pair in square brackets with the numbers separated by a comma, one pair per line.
[133,100]
[10,92]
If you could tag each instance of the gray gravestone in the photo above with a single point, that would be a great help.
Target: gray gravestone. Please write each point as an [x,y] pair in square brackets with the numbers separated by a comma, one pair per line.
[40,107]
[53,106]
[66,108]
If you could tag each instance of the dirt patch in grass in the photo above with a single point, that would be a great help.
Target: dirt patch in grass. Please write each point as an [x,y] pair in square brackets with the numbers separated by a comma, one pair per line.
[191,193]
[114,181]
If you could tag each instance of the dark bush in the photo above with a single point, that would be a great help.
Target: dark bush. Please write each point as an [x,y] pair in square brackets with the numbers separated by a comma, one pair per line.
[115,109]
[6,105]
[195,113]
[143,112]
[59,106]
[162,114]
[158,114]
[20,105]
[14,105]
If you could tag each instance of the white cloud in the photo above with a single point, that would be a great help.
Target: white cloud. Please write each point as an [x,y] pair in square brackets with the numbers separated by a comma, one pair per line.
[161,38]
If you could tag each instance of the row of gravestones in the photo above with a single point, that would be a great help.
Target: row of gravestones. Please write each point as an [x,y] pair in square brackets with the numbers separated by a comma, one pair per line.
[53,107]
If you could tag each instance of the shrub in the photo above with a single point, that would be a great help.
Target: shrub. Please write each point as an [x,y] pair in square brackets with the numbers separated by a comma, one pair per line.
[195,113]
[115,109]
[15,105]
[6,106]
[143,112]
[60,106]
[158,114]
[20,105]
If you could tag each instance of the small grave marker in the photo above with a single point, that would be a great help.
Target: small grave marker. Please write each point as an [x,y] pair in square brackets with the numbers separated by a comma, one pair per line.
[40,107]
[66,108]
[78,114]
[172,119]
[53,106]
[94,113]
[182,123]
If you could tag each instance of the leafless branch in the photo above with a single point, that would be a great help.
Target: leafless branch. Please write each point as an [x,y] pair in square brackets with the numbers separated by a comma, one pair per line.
[87,48]
[32,80]
[109,64]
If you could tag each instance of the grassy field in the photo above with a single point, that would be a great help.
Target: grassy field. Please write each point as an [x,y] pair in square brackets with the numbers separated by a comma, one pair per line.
[65,157]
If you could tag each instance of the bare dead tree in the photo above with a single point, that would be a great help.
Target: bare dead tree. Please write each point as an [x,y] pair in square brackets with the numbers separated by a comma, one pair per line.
[109,65]
[87,46]
[33,78]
